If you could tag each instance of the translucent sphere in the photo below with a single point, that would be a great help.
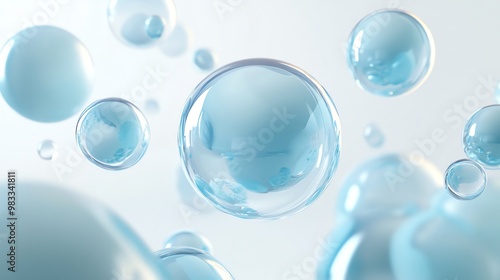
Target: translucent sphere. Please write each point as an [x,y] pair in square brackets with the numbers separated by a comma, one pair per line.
[191,264]
[47,150]
[481,137]
[69,236]
[45,73]
[390,52]
[141,22]
[465,179]
[374,136]
[455,240]
[376,199]
[177,43]
[260,138]
[189,239]
[204,59]
[112,133]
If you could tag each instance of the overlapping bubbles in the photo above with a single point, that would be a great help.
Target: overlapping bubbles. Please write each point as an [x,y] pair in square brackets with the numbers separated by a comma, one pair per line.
[260,139]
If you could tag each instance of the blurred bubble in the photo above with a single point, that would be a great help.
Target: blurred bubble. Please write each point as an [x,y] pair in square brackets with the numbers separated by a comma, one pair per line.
[177,43]
[45,73]
[47,150]
[191,264]
[152,106]
[465,179]
[260,138]
[481,137]
[62,235]
[204,59]
[455,240]
[374,136]
[141,22]
[112,133]
[375,200]
[189,239]
[390,52]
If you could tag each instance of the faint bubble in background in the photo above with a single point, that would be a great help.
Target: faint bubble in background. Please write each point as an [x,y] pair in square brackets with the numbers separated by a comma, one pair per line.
[152,106]
[465,179]
[47,150]
[374,137]
[481,137]
[177,43]
[204,59]
[189,239]
[376,198]
[390,52]
[191,264]
[260,138]
[456,239]
[46,73]
[141,23]
[78,238]
[112,133]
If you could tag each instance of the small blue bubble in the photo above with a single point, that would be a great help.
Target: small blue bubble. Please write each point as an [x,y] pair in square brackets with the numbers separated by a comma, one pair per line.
[178,41]
[139,23]
[204,59]
[481,137]
[374,136]
[188,239]
[191,264]
[46,73]
[47,150]
[390,52]
[112,133]
[465,179]
[154,27]
[260,138]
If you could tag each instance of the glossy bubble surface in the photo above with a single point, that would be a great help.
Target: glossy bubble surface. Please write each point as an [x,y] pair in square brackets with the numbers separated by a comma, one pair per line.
[374,137]
[260,139]
[465,179]
[112,133]
[141,22]
[68,236]
[191,264]
[390,52]
[45,73]
[47,150]
[481,137]
[454,240]
[204,59]
[189,239]
[376,198]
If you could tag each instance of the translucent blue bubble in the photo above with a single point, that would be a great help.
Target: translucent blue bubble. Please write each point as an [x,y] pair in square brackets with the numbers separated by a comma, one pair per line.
[47,150]
[177,43]
[141,22]
[374,136]
[260,138]
[112,133]
[191,264]
[454,240]
[68,236]
[152,106]
[45,73]
[204,59]
[465,179]
[481,137]
[189,239]
[390,52]
[375,200]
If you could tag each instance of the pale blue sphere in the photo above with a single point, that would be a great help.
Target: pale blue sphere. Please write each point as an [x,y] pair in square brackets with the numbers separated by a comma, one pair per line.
[390,52]
[45,73]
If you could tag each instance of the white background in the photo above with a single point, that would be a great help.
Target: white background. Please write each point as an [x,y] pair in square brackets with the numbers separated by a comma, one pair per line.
[309,34]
